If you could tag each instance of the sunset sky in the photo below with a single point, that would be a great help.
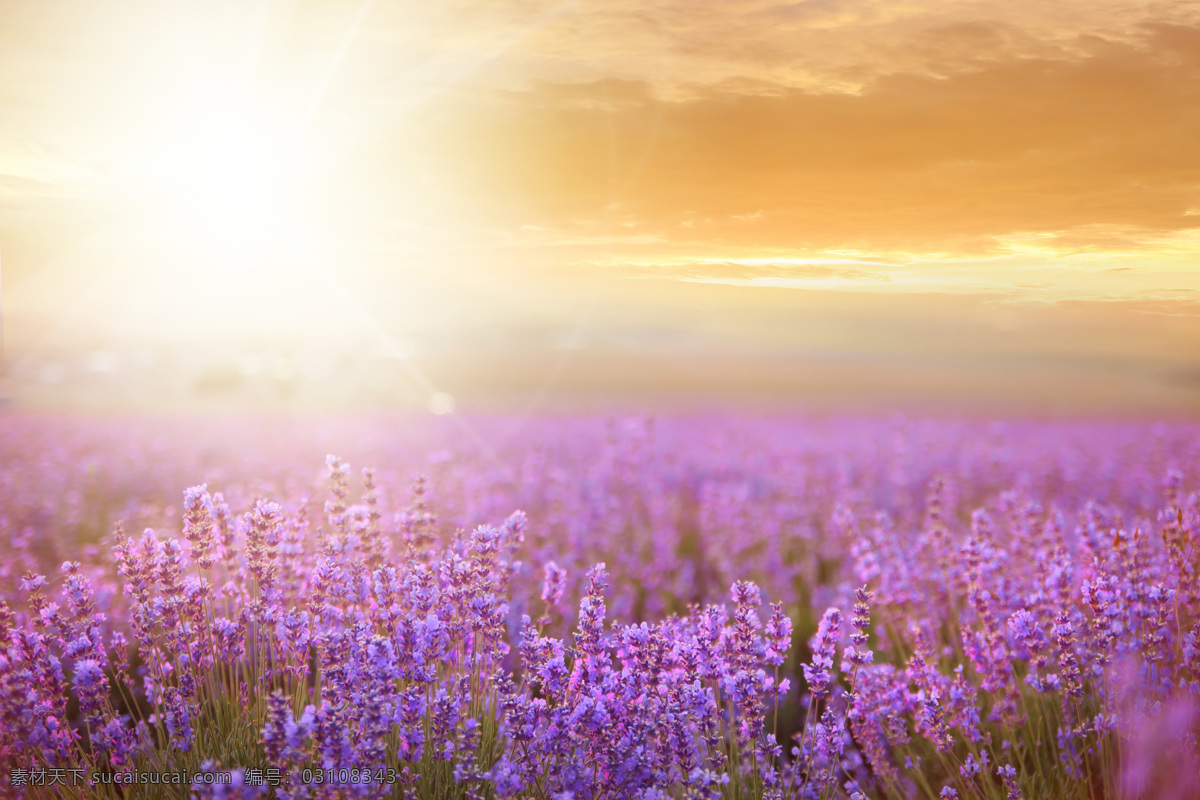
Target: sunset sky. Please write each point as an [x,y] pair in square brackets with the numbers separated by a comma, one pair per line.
[1009,189]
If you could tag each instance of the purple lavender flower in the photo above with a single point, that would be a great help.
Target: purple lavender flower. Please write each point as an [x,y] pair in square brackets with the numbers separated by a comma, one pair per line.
[819,672]
[930,711]
[778,635]
[554,584]
[1029,637]
[285,738]
[858,654]
[198,526]
[1008,774]
[177,715]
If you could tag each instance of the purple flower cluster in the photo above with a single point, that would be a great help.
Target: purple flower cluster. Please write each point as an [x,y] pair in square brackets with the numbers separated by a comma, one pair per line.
[667,620]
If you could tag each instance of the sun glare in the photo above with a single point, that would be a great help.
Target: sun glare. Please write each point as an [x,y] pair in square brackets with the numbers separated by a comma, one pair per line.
[220,174]
[230,186]
[225,185]
[215,214]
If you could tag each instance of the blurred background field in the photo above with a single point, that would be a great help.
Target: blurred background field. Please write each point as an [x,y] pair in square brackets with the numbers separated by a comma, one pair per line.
[531,380]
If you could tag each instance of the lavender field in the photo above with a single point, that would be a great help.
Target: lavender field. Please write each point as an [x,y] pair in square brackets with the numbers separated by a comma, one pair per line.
[576,608]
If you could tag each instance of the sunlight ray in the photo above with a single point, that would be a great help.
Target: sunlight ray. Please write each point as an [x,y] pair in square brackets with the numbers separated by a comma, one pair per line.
[335,64]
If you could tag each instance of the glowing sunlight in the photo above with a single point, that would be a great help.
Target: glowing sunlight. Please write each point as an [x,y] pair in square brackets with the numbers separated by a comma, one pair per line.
[220,175]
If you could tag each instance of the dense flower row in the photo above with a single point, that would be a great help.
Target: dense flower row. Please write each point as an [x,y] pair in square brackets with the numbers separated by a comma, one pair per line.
[691,609]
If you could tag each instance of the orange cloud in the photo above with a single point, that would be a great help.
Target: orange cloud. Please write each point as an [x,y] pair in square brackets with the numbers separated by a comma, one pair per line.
[1067,146]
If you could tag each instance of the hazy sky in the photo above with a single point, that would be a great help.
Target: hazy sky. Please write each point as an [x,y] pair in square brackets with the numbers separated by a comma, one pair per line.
[1002,182]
